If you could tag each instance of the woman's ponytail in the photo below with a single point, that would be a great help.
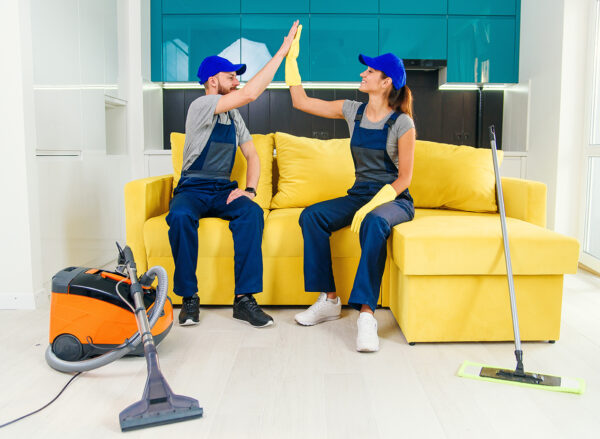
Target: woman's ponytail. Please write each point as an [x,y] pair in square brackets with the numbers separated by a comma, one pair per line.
[401,100]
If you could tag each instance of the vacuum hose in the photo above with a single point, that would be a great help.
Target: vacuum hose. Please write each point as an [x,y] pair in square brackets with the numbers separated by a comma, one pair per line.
[129,345]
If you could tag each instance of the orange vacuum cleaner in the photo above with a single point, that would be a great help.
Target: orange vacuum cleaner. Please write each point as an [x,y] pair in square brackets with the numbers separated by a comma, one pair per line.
[98,316]
[88,318]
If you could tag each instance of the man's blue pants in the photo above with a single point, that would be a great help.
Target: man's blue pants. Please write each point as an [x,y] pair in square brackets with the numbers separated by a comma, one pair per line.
[196,198]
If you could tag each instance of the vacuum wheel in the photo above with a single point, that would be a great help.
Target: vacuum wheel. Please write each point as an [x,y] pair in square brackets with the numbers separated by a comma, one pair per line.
[67,347]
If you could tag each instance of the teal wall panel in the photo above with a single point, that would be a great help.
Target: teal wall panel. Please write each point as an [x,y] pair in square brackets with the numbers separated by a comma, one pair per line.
[188,39]
[481,49]
[482,7]
[200,7]
[275,6]
[413,7]
[344,7]
[267,32]
[336,41]
[414,37]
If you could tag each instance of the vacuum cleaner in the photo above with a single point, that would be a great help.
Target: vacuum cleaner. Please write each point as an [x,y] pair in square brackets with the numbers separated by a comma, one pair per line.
[91,324]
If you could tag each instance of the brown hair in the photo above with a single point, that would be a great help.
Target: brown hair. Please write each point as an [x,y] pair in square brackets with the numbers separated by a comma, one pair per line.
[400,99]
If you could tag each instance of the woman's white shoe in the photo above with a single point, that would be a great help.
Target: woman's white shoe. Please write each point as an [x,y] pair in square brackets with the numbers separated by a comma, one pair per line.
[322,310]
[367,339]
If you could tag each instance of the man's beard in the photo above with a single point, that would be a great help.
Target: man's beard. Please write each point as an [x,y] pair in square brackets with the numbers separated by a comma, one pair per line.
[223,91]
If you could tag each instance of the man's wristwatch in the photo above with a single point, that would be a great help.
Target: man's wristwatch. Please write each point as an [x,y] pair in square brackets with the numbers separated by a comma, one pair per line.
[251,190]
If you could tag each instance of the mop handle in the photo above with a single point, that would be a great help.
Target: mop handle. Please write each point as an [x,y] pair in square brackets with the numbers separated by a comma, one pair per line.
[509,273]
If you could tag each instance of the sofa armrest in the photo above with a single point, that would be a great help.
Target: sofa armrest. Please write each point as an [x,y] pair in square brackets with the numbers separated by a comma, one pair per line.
[525,200]
[144,199]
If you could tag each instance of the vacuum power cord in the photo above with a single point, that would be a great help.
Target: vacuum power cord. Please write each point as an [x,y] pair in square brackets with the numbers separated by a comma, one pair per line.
[42,408]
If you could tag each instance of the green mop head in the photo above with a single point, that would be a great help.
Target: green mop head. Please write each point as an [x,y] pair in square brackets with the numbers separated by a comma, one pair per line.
[482,372]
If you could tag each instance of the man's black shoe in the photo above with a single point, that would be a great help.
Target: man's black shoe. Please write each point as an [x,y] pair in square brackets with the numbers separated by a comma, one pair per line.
[246,309]
[190,311]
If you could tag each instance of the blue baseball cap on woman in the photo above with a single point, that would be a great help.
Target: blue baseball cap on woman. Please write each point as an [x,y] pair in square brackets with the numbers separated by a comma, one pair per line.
[211,65]
[389,64]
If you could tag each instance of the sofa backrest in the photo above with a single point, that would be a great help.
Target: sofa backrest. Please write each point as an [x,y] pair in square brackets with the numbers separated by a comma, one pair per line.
[307,171]
[445,176]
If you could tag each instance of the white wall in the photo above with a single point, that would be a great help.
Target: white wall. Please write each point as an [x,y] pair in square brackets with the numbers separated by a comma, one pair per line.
[579,18]
[546,110]
[20,264]
[75,70]
[540,70]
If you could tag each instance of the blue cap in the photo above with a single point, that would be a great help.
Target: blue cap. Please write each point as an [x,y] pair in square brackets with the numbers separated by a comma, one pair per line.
[211,65]
[389,64]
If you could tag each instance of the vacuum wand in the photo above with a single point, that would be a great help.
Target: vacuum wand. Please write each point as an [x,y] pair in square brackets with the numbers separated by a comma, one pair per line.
[159,405]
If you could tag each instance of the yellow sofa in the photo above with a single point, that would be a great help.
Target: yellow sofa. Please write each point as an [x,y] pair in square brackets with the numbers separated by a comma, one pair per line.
[445,274]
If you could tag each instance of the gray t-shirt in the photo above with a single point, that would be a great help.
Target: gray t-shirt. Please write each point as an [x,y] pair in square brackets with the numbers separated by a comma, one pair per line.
[201,119]
[400,127]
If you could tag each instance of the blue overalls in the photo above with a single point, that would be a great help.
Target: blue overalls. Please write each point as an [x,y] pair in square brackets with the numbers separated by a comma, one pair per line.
[202,192]
[373,170]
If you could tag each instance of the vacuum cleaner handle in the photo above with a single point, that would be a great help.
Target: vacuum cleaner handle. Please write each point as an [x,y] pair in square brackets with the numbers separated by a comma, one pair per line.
[129,257]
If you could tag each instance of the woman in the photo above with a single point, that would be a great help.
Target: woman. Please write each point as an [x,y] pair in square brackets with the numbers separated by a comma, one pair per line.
[382,145]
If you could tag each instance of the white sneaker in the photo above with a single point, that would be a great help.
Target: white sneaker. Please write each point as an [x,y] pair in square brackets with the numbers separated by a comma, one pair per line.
[367,339]
[322,310]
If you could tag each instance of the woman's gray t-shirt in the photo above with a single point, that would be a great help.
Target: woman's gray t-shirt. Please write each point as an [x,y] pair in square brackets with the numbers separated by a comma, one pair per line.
[400,127]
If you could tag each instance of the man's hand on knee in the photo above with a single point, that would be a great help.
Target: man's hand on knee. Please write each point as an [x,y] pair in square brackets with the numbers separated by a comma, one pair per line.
[236,193]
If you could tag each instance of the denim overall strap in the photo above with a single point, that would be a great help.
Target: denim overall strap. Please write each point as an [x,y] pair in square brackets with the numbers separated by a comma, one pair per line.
[217,157]
[369,151]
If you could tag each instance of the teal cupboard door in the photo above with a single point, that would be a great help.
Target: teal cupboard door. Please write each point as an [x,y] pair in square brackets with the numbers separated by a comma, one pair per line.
[199,7]
[344,7]
[275,6]
[413,7]
[483,7]
[262,36]
[188,39]
[414,37]
[336,41]
[482,49]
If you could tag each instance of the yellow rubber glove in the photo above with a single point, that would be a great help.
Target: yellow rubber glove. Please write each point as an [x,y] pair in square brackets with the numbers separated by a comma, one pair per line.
[292,74]
[385,195]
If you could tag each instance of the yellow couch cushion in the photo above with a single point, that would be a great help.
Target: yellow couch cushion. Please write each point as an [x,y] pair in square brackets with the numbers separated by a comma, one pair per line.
[283,237]
[311,170]
[264,147]
[445,242]
[454,176]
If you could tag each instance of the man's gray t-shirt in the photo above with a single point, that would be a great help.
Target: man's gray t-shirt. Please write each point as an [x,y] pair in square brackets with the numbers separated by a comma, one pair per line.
[400,127]
[201,119]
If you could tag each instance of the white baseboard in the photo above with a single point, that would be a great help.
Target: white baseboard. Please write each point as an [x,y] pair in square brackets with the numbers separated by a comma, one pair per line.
[17,301]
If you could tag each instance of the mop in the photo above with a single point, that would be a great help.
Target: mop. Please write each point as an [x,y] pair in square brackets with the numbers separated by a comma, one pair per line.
[518,376]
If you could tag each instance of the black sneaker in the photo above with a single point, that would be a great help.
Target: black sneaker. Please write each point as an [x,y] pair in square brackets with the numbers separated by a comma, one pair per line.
[246,309]
[190,311]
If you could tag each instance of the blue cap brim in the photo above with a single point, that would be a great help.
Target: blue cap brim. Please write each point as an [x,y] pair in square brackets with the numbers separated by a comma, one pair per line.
[239,69]
[366,60]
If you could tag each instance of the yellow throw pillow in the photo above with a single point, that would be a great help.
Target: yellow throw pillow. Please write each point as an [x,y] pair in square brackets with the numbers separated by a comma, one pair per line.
[177,144]
[311,170]
[454,176]
[264,147]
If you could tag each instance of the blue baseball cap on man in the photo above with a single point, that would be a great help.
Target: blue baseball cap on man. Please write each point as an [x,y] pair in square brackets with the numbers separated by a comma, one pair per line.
[211,65]
[389,64]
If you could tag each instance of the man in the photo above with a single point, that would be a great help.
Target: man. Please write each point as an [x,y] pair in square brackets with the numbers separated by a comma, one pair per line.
[214,128]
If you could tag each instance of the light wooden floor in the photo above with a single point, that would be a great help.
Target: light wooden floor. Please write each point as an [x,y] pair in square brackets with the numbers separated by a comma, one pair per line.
[289,381]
